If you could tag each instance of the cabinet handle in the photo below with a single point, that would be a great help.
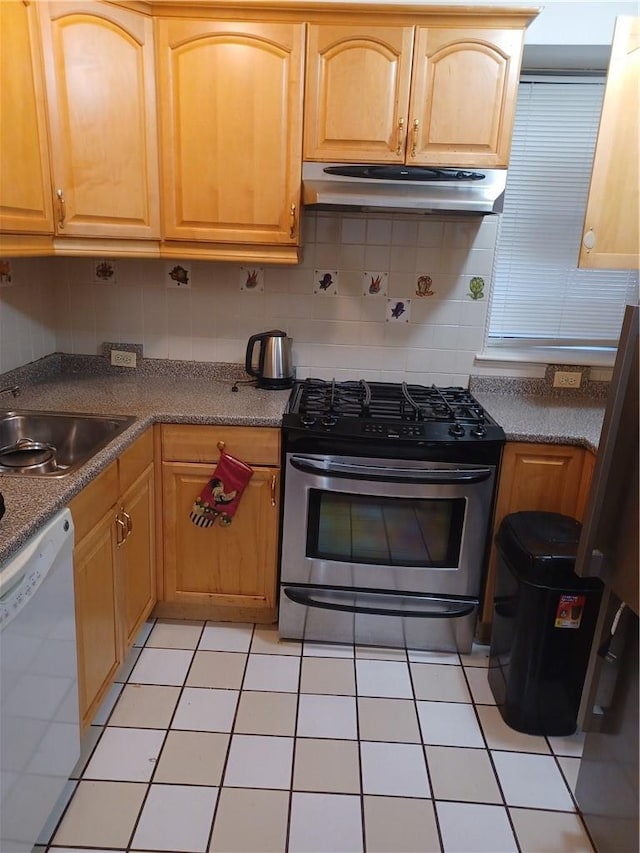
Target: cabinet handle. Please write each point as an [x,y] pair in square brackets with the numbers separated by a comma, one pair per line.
[121,531]
[273,489]
[400,144]
[414,145]
[292,221]
[128,521]
[221,446]
[62,208]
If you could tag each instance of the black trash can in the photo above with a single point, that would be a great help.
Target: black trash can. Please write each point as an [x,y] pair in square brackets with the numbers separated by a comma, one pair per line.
[544,619]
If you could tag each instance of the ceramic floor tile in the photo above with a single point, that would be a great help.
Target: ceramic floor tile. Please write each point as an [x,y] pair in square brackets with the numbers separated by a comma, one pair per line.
[377,653]
[549,832]
[205,710]
[381,678]
[145,706]
[323,675]
[462,774]
[56,813]
[217,669]
[395,824]
[101,814]
[257,761]
[262,713]
[127,665]
[449,724]
[143,633]
[326,765]
[57,849]
[419,656]
[126,755]
[173,634]
[479,685]
[532,781]
[274,673]
[572,745]
[161,666]
[176,817]
[439,682]
[331,823]
[106,707]
[88,741]
[479,656]
[226,637]
[266,831]
[388,720]
[501,736]
[394,769]
[192,758]
[570,768]
[327,716]
[266,641]
[327,650]
[472,828]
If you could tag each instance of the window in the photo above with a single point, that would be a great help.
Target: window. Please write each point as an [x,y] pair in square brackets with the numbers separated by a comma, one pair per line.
[539,297]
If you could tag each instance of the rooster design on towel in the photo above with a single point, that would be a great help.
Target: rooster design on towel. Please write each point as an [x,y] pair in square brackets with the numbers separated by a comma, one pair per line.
[217,490]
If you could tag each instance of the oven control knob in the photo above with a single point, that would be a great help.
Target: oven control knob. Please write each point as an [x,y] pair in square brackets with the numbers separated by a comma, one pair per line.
[328,421]
[479,431]
[456,430]
[307,420]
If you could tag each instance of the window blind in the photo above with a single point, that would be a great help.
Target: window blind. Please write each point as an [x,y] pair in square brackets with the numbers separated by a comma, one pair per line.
[539,297]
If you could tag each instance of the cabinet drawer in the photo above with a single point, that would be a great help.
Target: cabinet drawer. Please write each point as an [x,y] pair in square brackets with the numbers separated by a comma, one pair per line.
[88,507]
[135,460]
[196,443]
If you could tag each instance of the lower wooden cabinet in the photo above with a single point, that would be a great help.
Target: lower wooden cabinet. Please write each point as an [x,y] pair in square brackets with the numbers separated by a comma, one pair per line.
[226,572]
[545,477]
[114,568]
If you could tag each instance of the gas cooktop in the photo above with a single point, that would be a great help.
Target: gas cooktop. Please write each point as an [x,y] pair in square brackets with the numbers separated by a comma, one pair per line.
[388,410]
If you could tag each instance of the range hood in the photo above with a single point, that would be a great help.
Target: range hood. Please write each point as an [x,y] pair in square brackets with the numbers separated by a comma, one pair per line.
[404,189]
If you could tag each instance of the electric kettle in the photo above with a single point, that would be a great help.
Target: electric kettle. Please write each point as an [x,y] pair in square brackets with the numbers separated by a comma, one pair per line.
[275,368]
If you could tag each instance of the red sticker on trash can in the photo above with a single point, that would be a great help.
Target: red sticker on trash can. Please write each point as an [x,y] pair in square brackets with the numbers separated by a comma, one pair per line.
[570,610]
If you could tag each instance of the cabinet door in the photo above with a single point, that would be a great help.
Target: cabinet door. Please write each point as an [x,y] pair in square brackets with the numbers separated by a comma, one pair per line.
[100,84]
[463,96]
[357,93]
[232,566]
[25,183]
[230,100]
[611,226]
[136,556]
[98,637]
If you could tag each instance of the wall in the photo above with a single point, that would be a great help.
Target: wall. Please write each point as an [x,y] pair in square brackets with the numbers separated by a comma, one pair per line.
[337,331]
[27,324]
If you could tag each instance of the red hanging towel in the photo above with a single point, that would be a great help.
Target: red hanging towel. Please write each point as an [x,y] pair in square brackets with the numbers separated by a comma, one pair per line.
[221,496]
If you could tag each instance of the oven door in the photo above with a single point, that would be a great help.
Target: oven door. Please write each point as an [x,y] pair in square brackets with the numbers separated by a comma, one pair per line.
[388,525]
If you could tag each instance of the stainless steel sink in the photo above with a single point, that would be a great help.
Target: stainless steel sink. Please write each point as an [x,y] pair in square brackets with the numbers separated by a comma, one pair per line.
[53,444]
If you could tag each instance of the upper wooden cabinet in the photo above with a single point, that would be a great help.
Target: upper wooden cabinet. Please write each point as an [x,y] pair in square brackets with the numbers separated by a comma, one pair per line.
[99,63]
[230,99]
[442,95]
[611,235]
[25,183]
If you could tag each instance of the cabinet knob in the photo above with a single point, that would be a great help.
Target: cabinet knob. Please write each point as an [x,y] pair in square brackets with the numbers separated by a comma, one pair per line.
[221,446]
[589,240]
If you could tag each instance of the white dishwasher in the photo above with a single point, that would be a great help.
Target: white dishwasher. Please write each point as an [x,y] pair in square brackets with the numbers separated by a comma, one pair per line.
[39,720]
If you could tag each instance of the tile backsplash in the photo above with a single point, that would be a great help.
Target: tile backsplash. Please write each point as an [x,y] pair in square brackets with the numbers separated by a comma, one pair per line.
[383,297]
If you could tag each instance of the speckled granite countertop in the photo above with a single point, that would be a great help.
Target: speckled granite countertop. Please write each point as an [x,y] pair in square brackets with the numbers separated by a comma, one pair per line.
[188,392]
[179,398]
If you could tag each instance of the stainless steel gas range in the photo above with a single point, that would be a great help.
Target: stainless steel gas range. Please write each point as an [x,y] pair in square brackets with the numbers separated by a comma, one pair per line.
[388,497]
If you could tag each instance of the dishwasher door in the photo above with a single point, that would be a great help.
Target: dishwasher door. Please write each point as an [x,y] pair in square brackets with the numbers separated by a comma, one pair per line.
[39,719]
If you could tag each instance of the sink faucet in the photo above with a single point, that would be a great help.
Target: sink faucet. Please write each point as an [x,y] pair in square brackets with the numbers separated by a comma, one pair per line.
[14,390]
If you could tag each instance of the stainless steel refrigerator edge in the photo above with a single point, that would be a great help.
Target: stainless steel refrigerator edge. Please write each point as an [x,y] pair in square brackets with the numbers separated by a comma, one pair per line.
[607,785]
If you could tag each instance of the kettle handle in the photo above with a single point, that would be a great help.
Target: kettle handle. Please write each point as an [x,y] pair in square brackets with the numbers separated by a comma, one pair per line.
[249,355]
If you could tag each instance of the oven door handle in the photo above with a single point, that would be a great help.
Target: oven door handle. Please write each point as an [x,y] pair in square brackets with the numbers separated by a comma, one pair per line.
[433,476]
[442,608]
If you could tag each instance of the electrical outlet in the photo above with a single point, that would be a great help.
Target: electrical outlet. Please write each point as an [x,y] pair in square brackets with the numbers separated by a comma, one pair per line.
[567,379]
[122,358]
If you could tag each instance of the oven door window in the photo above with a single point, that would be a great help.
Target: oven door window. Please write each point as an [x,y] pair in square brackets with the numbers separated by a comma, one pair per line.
[385,531]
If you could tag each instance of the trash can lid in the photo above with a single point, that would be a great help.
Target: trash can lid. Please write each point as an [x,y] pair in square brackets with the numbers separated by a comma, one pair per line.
[541,547]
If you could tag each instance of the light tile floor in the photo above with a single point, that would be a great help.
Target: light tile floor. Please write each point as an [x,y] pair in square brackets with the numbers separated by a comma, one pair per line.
[219,737]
